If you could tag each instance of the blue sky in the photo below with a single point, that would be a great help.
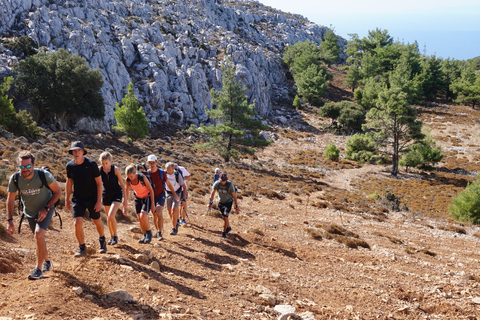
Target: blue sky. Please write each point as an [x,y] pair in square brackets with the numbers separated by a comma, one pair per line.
[446,28]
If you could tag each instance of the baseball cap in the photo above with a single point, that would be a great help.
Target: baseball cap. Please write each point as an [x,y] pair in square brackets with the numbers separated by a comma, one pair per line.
[77,145]
[223,177]
[217,170]
[152,157]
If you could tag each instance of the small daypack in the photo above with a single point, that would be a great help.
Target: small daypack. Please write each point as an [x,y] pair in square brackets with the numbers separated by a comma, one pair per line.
[43,179]
[142,174]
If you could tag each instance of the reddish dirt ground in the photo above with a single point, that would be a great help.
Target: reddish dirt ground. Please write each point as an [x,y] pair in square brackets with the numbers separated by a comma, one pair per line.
[308,235]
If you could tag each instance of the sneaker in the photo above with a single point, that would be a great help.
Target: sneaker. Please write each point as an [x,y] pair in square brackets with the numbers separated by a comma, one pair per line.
[178,224]
[82,252]
[183,222]
[227,231]
[143,239]
[174,231]
[148,237]
[103,245]
[224,234]
[159,236]
[36,274]
[113,241]
[46,266]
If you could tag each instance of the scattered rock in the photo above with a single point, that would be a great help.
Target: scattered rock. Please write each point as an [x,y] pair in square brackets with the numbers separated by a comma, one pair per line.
[284,308]
[140,257]
[77,290]
[119,295]
[269,298]
[155,265]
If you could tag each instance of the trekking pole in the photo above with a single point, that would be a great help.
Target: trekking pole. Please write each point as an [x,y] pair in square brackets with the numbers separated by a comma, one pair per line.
[209,211]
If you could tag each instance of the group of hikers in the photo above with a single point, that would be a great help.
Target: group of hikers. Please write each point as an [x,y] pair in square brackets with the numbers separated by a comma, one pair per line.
[90,186]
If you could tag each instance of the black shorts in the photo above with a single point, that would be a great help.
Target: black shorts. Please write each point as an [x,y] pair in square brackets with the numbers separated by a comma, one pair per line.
[225,208]
[109,198]
[142,204]
[80,206]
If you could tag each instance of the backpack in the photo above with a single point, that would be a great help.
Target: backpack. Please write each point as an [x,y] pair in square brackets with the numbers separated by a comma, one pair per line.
[162,173]
[178,173]
[234,186]
[141,174]
[43,179]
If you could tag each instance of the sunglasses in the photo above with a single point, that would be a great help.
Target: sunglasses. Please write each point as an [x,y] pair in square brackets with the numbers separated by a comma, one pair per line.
[151,163]
[28,166]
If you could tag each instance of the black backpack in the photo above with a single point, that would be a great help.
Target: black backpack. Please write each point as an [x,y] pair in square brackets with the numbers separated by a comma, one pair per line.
[141,174]
[41,175]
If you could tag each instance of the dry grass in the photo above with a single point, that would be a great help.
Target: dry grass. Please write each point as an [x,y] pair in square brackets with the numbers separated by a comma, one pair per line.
[453,228]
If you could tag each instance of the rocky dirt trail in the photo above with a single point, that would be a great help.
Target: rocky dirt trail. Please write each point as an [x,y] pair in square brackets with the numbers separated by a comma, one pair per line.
[308,243]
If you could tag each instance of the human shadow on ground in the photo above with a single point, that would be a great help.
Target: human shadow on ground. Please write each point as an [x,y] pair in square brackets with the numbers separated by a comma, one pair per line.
[124,306]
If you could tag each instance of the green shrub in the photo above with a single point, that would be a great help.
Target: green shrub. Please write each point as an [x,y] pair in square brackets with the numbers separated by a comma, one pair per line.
[20,123]
[22,46]
[60,85]
[466,206]
[348,114]
[130,117]
[361,147]
[332,152]
[297,104]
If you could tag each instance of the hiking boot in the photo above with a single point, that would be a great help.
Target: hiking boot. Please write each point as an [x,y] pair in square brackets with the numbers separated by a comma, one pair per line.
[143,239]
[174,231]
[36,274]
[82,252]
[46,266]
[183,222]
[178,224]
[227,231]
[224,234]
[148,237]
[113,241]
[103,245]
[159,236]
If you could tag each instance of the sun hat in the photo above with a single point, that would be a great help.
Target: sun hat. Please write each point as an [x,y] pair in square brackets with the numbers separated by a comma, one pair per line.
[77,145]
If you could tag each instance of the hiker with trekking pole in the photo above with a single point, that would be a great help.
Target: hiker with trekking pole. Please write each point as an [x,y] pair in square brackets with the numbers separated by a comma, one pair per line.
[227,196]
[39,192]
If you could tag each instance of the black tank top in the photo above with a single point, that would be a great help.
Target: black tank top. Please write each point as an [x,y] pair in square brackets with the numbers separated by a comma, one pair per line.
[110,181]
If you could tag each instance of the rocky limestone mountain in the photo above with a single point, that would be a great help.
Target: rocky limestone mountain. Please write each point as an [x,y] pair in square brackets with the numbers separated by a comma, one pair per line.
[171,51]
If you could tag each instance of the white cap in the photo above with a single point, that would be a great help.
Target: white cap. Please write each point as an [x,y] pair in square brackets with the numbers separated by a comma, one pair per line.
[152,157]
[217,170]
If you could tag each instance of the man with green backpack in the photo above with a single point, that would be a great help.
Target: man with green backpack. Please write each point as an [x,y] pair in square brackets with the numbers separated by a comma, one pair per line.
[39,192]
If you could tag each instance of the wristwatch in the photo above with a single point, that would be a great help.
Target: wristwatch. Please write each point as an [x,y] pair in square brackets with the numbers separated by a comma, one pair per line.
[46,208]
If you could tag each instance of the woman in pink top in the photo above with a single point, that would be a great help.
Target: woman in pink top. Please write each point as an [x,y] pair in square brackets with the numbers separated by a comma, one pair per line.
[143,199]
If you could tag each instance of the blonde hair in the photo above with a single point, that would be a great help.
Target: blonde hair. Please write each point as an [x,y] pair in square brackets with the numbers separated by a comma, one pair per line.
[105,156]
[130,169]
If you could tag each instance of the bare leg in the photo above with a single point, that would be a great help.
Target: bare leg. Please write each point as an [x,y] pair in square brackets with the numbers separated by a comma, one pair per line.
[99,224]
[112,221]
[226,223]
[42,254]
[158,218]
[78,224]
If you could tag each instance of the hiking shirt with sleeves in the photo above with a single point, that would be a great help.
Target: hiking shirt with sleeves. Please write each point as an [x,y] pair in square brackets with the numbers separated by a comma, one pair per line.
[34,196]
[158,181]
[176,185]
[224,191]
[110,181]
[83,177]
[141,191]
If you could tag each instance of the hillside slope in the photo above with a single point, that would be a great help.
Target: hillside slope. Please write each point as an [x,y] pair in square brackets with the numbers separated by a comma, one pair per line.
[308,236]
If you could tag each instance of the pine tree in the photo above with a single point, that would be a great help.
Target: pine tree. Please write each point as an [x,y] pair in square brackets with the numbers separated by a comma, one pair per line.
[395,122]
[130,117]
[233,117]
